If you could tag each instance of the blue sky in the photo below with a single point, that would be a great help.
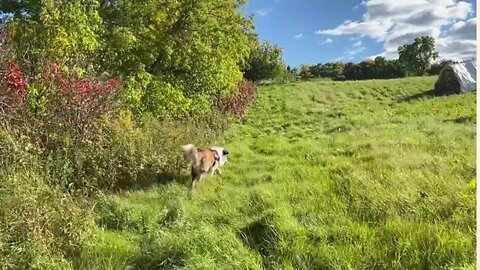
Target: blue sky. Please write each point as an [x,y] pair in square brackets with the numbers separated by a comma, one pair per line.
[319,31]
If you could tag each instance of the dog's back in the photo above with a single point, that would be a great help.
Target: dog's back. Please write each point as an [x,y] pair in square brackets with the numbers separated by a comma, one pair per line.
[206,158]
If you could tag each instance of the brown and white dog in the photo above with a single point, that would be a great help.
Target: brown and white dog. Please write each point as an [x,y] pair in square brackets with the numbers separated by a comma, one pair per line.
[204,160]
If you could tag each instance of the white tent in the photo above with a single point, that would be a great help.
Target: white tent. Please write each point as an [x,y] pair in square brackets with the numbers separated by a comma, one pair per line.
[466,74]
[457,78]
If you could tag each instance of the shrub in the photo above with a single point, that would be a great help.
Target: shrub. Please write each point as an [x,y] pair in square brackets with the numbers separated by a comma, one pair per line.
[163,100]
[305,73]
[238,103]
[286,76]
[16,85]
[130,154]
[435,68]
[72,106]
[56,110]
[39,225]
[13,87]
[264,63]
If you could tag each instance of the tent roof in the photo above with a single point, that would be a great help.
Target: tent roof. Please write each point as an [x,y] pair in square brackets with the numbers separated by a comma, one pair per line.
[466,74]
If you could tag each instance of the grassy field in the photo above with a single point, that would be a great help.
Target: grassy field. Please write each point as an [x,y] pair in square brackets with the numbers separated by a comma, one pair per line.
[322,175]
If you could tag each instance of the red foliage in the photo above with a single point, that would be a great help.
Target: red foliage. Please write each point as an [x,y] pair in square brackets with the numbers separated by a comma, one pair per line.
[78,102]
[77,86]
[16,84]
[15,79]
[74,103]
[238,103]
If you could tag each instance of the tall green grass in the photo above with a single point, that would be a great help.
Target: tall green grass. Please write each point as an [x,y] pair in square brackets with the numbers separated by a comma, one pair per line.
[322,175]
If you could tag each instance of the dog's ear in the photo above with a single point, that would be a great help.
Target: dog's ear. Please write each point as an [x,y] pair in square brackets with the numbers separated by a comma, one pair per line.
[225,152]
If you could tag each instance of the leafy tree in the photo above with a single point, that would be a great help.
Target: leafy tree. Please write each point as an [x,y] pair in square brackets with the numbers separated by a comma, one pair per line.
[196,46]
[316,70]
[265,62]
[305,73]
[21,8]
[295,71]
[379,68]
[435,68]
[63,31]
[188,49]
[330,70]
[393,69]
[350,72]
[417,56]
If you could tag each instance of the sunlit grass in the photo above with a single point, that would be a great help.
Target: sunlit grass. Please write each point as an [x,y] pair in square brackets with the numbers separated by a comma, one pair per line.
[322,175]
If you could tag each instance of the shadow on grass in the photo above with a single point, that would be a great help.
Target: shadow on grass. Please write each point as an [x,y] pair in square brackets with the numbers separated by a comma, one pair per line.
[261,237]
[419,96]
[148,177]
[427,94]
[461,120]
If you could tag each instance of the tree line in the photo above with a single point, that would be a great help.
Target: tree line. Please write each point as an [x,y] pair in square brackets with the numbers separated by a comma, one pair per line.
[415,59]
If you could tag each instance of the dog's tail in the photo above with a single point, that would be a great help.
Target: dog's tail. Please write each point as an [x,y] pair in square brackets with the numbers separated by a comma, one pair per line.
[190,154]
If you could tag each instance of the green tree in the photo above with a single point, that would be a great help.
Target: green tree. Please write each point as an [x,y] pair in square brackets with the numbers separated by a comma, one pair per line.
[196,46]
[65,31]
[316,70]
[305,73]
[190,49]
[265,62]
[332,70]
[418,56]
[435,68]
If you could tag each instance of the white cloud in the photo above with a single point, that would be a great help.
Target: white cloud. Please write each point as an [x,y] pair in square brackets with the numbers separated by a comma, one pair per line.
[263,12]
[358,43]
[350,54]
[342,58]
[359,5]
[328,40]
[372,57]
[355,51]
[298,36]
[463,30]
[355,38]
[396,22]
[375,29]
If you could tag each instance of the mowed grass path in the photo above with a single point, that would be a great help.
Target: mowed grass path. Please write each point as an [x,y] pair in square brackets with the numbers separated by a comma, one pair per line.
[322,175]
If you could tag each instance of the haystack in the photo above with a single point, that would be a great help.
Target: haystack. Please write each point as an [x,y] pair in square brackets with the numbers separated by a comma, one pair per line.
[457,78]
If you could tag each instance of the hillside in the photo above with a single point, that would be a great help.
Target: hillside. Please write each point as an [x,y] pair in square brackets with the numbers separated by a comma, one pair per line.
[322,175]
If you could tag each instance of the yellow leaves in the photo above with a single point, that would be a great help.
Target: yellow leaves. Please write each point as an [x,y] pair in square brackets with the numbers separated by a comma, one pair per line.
[49,14]
[124,37]
[144,78]
[125,121]
[60,40]
[472,184]
[65,30]
[165,99]
[79,71]
[133,92]
[159,18]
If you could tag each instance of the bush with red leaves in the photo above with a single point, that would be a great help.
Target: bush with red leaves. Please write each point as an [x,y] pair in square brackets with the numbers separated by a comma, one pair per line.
[13,82]
[238,103]
[74,103]
[16,84]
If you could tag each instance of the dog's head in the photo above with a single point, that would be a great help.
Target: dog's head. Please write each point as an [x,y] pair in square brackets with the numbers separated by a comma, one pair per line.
[223,153]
